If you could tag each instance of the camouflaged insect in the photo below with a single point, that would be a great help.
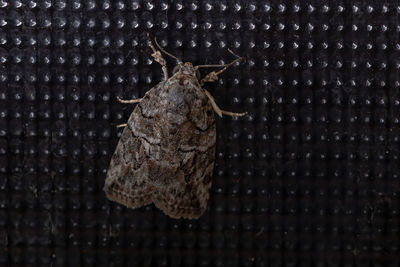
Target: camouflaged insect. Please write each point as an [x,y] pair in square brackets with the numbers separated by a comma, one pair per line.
[166,152]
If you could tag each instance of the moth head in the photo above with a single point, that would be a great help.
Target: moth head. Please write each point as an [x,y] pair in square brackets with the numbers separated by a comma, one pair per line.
[187,69]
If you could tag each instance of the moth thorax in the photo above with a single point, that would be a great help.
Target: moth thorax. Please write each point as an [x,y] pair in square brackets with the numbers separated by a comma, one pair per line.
[187,69]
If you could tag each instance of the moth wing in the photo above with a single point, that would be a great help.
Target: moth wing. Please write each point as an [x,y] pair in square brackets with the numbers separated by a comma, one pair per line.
[182,182]
[127,180]
[166,153]
[187,194]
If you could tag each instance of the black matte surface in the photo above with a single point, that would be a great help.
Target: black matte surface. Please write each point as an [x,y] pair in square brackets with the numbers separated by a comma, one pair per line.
[310,177]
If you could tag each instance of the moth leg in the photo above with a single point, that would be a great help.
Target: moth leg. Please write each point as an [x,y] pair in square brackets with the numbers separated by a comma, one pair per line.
[121,125]
[220,111]
[130,101]
[213,76]
[158,57]
[233,114]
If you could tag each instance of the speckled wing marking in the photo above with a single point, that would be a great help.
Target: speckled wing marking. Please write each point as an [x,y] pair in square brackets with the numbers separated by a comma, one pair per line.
[127,178]
[166,153]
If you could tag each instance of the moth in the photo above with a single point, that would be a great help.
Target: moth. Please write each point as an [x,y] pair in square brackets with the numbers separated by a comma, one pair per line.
[166,151]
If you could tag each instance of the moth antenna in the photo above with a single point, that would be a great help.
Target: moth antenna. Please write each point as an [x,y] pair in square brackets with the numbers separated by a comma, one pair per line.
[238,58]
[230,51]
[219,65]
[165,52]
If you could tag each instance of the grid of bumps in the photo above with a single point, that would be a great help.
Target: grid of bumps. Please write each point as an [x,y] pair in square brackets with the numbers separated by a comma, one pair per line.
[310,177]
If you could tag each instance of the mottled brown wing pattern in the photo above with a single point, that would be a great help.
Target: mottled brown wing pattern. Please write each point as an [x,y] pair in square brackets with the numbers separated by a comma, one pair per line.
[127,177]
[166,153]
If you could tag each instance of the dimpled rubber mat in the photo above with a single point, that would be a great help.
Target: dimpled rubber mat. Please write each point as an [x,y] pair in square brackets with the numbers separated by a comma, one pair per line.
[310,177]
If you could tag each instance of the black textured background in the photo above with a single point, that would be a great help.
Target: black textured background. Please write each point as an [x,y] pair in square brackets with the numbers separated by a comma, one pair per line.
[310,177]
